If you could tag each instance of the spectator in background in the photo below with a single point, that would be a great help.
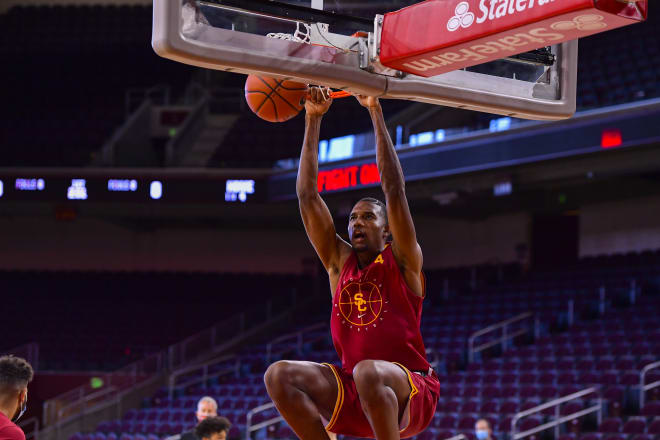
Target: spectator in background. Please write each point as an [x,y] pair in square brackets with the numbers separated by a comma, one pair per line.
[15,374]
[483,430]
[213,428]
[206,407]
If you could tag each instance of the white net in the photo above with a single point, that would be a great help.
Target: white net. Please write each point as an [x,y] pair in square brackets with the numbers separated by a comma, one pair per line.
[301,35]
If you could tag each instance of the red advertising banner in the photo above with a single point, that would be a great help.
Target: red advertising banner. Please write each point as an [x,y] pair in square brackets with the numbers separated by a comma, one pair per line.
[439,36]
[354,176]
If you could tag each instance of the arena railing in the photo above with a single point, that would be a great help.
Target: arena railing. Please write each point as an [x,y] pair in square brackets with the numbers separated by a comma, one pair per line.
[596,408]
[193,349]
[230,365]
[175,148]
[29,352]
[298,337]
[644,387]
[70,411]
[30,427]
[250,428]
[138,104]
[158,94]
[84,397]
[180,355]
[507,334]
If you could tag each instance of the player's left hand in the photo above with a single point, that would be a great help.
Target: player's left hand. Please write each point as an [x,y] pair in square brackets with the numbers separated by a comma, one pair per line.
[318,102]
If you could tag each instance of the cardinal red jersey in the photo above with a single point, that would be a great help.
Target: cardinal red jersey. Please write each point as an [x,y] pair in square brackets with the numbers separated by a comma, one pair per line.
[8,430]
[376,316]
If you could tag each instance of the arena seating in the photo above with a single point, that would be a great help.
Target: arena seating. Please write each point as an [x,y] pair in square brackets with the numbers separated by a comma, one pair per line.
[67,69]
[606,351]
[102,321]
[619,66]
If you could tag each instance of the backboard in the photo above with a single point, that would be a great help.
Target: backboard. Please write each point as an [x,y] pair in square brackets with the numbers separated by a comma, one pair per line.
[336,43]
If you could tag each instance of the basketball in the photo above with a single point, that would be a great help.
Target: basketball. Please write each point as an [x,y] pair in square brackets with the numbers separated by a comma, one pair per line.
[274,100]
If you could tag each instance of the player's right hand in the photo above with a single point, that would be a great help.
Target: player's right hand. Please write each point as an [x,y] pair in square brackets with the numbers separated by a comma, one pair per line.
[318,101]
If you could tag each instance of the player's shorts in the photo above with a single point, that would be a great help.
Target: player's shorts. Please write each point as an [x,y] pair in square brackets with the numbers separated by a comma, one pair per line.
[349,419]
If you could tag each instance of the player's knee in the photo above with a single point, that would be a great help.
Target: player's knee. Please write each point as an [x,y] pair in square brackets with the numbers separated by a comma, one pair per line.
[367,376]
[277,376]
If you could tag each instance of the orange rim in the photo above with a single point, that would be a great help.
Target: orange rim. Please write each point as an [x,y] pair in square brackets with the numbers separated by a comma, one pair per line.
[337,94]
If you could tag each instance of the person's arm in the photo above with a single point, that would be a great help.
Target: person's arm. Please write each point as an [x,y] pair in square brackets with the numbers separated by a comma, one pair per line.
[315,214]
[405,247]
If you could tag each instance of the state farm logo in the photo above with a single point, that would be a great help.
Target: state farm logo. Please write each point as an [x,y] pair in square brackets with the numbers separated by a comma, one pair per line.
[588,22]
[463,18]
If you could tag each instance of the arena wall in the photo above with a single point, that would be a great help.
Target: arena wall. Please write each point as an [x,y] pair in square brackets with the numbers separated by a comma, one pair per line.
[5,5]
[39,243]
[619,227]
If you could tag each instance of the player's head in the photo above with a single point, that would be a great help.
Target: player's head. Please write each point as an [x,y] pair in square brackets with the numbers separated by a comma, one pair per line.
[15,374]
[368,228]
[206,407]
[213,428]
[482,429]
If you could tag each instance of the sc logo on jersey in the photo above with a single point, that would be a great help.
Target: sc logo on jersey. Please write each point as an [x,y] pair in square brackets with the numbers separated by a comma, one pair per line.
[463,18]
[360,304]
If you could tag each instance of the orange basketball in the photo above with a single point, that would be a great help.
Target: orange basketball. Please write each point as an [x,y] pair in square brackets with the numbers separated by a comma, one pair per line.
[274,100]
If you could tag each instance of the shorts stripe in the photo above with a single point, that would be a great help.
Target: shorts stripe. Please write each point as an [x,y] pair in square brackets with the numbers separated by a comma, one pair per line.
[340,399]
[413,392]
[413,388]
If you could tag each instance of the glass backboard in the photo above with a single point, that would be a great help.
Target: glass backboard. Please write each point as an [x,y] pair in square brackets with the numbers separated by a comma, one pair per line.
[334,43]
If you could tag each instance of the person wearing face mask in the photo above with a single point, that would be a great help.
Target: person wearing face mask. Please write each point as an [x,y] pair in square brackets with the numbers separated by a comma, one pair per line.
[15,374]
[482,430]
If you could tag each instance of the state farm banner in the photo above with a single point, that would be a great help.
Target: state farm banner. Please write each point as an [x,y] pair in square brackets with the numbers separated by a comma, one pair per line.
[439,36]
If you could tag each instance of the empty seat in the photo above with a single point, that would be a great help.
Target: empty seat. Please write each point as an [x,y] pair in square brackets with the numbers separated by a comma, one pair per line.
[447,422]
[651,409]
[509,407]
[654,427]
[634,425]
[610,425]
[467,423]
[489,407]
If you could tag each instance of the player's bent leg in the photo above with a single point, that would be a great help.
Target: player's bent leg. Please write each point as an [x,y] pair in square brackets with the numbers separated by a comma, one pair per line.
[301,392]
[384,390]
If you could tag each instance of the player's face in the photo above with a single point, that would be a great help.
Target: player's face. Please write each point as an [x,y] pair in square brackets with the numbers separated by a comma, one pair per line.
[366,227]
[206,409]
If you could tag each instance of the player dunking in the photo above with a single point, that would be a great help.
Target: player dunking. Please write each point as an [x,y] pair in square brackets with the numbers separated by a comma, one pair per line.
[385,388]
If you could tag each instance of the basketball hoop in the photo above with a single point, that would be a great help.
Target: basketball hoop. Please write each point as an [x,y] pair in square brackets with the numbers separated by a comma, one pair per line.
[303,34]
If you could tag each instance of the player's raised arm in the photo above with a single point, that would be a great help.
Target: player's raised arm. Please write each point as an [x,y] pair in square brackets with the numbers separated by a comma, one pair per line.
[405,247]
[315,214]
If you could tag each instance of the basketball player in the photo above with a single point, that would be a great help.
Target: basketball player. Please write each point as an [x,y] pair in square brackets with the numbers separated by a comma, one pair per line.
[15,374]
[385,388]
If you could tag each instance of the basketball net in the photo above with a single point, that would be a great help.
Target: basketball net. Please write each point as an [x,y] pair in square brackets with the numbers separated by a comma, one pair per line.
[301,35]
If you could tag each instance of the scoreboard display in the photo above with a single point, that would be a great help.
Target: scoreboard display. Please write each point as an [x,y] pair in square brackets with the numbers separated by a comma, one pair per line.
[151,190]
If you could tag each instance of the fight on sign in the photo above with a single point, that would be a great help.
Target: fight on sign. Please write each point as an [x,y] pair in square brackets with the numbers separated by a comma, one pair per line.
[348,177]
[470,32]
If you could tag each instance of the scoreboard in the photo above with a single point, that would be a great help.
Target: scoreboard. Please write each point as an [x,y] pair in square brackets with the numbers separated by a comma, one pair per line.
[137,189]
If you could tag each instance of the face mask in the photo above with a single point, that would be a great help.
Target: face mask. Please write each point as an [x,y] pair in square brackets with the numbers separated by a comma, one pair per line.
[482,434]
[21,410]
